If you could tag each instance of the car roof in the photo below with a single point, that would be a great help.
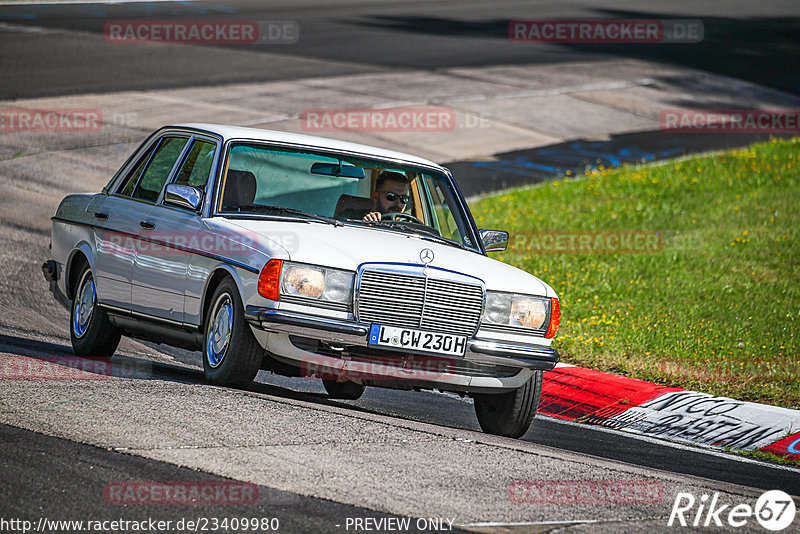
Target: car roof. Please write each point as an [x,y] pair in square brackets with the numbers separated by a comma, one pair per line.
[241,132]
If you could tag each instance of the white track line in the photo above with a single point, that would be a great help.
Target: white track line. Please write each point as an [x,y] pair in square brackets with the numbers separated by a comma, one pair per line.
[527,523]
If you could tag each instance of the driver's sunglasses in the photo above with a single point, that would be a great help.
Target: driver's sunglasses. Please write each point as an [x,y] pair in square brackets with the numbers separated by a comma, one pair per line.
[391,197]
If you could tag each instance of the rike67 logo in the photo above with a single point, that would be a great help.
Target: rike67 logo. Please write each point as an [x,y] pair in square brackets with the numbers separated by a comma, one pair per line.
[774,510]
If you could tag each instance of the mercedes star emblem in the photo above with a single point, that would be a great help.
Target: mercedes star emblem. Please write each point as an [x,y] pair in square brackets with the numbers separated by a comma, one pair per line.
[426,255]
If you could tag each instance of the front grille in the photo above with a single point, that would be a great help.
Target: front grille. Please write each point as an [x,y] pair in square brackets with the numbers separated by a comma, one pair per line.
[417,301]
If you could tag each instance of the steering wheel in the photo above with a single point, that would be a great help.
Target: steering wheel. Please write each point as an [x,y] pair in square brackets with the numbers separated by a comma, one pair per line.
[398,216]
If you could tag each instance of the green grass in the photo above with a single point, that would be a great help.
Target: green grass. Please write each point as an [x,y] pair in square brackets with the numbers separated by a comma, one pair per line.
[716,309]
[767,457]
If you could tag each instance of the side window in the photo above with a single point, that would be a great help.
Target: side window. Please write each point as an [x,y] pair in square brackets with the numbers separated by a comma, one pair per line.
[442,214]
[133,178]
[197,167]
[157,172]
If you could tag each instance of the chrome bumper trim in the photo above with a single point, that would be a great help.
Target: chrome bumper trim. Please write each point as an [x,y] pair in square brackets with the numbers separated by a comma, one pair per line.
[529,356]
[258,316]
[350,332]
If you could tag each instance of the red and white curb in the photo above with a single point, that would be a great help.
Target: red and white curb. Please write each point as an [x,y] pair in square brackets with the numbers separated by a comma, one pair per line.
[629,405]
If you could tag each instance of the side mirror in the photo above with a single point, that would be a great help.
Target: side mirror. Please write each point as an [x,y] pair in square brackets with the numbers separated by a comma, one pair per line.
[494,240]
[183,196]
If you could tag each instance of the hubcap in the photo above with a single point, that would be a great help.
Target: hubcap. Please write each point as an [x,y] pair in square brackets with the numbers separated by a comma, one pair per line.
[84,306]
[219,331]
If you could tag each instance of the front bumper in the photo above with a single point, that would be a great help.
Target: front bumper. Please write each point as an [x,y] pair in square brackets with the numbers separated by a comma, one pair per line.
[346,332]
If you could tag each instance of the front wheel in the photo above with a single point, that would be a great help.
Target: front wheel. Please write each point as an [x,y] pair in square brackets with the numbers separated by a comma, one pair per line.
[509,414]
[231,354]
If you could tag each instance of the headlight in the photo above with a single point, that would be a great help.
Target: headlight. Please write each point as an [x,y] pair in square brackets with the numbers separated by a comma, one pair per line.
[338,285]
[316,282]
[528,312]
[303,281]
[511,309]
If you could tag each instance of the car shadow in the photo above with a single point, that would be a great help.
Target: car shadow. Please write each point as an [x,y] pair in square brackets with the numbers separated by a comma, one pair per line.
[63,363]
[58,362]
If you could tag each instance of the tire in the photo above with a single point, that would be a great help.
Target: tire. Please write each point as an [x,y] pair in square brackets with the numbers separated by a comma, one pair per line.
[509,414]
[231,354]
[343,390]
[91,332]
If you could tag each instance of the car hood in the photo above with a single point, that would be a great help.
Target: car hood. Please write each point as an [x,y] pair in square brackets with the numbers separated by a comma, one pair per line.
[347,247]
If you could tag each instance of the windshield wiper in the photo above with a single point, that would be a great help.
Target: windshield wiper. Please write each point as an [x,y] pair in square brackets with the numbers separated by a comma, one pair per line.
[425,234]
[283,211]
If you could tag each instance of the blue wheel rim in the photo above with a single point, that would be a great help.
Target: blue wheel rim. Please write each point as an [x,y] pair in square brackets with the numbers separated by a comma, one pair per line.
[219,332]
[84,307]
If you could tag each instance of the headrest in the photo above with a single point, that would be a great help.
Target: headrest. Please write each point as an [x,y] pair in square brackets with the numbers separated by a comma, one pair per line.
[347,202]
[240,188]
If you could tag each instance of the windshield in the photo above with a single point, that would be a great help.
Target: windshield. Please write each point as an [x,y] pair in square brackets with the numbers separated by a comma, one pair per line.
[262,181]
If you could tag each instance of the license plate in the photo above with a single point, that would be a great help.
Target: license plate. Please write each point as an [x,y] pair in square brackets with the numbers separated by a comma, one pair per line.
[417,340]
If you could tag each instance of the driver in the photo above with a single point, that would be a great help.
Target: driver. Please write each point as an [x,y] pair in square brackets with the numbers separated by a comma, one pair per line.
[390,196]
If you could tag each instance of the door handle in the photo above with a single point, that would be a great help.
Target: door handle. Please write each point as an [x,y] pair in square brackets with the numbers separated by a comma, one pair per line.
[147,225]
[100,215]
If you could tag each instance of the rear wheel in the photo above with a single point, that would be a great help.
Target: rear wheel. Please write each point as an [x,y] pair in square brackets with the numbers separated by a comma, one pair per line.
[343,390]
[231,354]
[509,414]
[91,332]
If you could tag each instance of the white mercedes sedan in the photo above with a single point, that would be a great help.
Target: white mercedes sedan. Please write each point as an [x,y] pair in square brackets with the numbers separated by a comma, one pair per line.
[307,257]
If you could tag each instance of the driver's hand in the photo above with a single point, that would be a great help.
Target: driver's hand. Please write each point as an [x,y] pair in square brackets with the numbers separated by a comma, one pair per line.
[373,216]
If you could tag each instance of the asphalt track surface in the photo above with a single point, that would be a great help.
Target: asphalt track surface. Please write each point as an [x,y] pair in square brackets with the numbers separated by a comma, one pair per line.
[449,410]
[61,480]
[58,479]
[755,41]
[44,475]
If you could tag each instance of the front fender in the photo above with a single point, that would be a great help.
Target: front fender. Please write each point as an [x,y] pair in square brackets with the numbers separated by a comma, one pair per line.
[217,273]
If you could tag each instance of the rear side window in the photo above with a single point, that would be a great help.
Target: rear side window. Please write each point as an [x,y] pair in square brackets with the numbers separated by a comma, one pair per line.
[155,175]
[197,167]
